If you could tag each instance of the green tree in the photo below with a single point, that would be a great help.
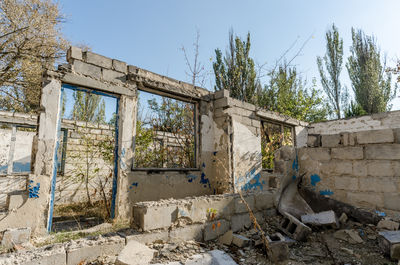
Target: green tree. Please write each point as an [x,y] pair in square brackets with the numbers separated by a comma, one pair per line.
[88,107]
[354,110]
[236,72]
[288,94]
[371,85]
[332,62]
[30,41]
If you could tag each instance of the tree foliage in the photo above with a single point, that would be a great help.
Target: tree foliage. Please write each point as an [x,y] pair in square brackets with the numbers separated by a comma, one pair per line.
[288,94]
[236,72]
[332,62]
[371,85]
[88,107]
[30,40]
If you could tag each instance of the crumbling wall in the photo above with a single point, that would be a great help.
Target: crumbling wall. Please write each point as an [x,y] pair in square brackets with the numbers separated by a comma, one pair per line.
[361,168]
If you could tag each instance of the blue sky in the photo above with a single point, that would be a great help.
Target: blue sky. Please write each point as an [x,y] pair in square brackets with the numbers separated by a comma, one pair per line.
[149,34]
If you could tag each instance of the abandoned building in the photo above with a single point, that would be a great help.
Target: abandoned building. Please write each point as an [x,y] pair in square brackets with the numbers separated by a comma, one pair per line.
[192,190]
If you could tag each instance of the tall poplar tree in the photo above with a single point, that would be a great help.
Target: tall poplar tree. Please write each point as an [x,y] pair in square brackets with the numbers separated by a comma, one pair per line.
[235,71]
[332,64]
[370,83]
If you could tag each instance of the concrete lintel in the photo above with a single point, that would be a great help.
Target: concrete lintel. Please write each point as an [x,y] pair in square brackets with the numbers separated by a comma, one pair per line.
[87,82]
[275,116]
[165,84]
[18,118]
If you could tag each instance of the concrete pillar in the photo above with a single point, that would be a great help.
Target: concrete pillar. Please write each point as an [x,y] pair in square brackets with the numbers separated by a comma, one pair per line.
[126,140]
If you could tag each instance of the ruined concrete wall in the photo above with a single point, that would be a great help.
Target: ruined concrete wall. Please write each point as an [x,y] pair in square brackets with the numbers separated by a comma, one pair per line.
[361,168]
[387,120]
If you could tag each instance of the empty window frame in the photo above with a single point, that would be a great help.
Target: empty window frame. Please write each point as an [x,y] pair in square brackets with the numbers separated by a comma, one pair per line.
[165,133]
[273,136]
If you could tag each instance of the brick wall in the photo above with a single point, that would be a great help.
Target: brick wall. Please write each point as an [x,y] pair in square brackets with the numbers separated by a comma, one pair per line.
[361,168]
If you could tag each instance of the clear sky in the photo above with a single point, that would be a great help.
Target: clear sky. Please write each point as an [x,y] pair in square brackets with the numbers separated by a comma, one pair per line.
[149,34]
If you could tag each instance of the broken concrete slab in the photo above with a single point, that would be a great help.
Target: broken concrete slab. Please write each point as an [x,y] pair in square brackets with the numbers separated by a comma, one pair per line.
[327,218]
[348,235]
[214,257]
[387,224]
[135,253]
[240,241]
[48,255]
[17,236]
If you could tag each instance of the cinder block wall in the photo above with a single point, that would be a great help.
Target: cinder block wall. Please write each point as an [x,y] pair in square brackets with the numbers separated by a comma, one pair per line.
[361,168]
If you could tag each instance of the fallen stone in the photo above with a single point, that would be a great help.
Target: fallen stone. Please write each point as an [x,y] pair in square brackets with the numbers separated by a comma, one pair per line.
[348,235]
[327,218]
[227,238]
[240,241]
[388,225]
[343,218]
[135,253]
[293,228]
[16,236]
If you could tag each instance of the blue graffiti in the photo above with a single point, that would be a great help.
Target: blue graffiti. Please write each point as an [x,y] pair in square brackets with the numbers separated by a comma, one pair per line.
[205,180]
[203,165]
[326,192]
[294,177]
[295,165]
[315,179]
[252,181]
[191,178]
[215,153]
[133,184]
[33,189]
[380,213]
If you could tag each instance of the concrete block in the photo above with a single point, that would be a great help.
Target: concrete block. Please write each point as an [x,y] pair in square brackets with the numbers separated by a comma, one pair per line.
[316,154]
[225,208]
[223,93]
[346,183]
[215,229]
[326,218]
[330,140]
[389,242]
[97,59]
[87,69]
[279,247]
[313,141]
[386,152]
[396,135]
[293,228]
[264,200]
[114,76]
[147,238]
[364,199]
[154,217]
[48,255]
[285,153]
[391,201]
[221,258]
[360,168]
[376,184]
[227,238]
[347,153]
[74,53]
[240,241]
[16,236]
[119,66]
[387,224]
[90,249]
[380,169]
[16,199]
[135,253]
[222,103]
[190,232]
[375,136]
[240,206]
[342,167]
